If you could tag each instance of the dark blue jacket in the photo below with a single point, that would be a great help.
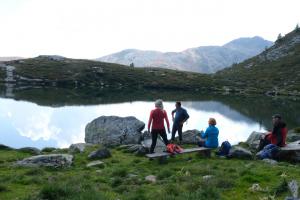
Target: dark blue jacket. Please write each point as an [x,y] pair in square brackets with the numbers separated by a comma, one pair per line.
[181,115]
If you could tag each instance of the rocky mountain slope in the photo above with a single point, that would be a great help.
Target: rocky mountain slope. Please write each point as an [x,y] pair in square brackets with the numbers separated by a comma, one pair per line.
[275,71]
[206,59]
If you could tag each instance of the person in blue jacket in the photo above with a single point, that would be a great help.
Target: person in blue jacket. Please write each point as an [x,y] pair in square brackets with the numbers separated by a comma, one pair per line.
[210,136]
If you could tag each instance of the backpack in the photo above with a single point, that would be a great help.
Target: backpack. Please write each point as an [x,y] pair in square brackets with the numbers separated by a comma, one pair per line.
[174,149]
[269,151]
[224,149]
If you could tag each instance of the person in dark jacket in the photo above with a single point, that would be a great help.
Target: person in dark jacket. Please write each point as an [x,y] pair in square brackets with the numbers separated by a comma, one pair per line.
[278,134]
[181,116]
[210,136]
[157,117]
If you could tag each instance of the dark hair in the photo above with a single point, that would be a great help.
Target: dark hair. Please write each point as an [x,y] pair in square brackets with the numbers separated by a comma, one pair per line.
[178,103]
[276,116]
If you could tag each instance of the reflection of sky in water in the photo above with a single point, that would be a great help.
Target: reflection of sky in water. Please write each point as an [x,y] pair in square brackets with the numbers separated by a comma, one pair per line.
[27,124]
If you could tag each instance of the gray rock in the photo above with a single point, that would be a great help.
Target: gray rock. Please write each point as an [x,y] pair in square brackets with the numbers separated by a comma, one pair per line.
[31,150]
[293,186]
[207,177]
[292,136]
[51,160]
[253,139]
[95,163]
[151,178]
[239,152]
[78,147]
[270,161]
[113,131]
[100,154]
[191,137]
[160,145]
[291,152]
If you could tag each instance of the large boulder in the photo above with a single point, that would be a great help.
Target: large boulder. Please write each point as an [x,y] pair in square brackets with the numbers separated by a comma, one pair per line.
[114,131]
[51,160]
[240,153]
[147,141]
[253,139]
[191,136]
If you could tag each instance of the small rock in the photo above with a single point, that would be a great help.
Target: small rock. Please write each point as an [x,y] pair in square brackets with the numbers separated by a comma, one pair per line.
[78,147]
[100,153]
[31,150]
[99,171]
[256,188]
[151,178]
[207,177]
[270,161]
[95,163]
[132,175]
[293,186]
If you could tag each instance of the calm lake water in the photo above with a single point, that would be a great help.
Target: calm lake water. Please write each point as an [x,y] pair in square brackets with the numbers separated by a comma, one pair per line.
[24,123]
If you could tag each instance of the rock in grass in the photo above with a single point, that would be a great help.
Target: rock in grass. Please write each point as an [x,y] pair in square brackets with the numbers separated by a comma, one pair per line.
[51,160]
[100,154]
[31,150]
[95,163]
[78,147]
[253,139]
[151,178]
[240,153]
[270,161]
[114,131]
[293,187]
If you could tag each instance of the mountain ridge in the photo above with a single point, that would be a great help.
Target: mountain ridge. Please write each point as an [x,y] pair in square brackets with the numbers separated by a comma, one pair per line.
[203,59]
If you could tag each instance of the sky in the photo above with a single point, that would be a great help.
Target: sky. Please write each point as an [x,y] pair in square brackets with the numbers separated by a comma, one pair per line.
[94,28]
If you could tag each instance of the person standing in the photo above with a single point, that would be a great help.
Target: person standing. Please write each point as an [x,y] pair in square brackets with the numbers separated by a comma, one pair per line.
[157,117]
[181,116]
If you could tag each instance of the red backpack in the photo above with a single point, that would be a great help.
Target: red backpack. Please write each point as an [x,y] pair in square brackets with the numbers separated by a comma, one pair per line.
[174,149]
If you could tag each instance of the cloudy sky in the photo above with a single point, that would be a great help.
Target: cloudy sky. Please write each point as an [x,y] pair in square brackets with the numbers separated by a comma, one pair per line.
[94,28]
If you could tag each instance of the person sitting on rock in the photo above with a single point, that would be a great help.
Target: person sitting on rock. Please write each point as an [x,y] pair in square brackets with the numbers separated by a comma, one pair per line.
[210,136]
[157,117]
[278,134]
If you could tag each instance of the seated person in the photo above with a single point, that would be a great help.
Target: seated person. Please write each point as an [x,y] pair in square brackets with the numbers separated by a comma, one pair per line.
[277,136]
[210,136]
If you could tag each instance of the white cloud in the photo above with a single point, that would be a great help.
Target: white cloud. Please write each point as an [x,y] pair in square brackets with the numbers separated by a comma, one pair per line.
[92,28]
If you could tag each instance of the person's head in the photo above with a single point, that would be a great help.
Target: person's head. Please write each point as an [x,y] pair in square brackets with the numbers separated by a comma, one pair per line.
[159,104]
[178,104]
[212,121]
[276,118]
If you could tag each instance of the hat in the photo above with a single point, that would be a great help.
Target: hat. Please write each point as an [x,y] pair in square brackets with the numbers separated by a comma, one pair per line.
[276,116]
[159,104]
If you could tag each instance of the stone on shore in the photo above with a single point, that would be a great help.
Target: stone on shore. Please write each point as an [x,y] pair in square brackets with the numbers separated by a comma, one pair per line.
[50,160]
[240,153]
[190,136]
[254,139]
[114,131]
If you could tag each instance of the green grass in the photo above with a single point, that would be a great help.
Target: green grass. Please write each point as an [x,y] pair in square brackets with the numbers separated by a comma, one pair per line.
[123,177]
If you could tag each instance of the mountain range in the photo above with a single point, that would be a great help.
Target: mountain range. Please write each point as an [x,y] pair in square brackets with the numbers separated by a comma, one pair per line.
[204,59]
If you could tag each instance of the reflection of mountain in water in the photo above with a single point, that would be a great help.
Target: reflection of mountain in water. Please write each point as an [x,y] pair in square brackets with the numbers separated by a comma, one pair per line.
[214,106]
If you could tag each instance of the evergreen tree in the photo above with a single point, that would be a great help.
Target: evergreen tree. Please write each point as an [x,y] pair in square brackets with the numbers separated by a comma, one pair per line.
[279,38]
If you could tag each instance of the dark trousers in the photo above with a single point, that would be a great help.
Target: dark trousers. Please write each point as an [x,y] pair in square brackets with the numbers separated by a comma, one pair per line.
[177,127]
[154,134]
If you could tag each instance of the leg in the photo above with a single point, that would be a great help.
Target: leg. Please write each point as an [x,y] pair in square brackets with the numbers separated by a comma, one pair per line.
[201,143]
[180,132]
[174,129]
[154,138]
[163,135]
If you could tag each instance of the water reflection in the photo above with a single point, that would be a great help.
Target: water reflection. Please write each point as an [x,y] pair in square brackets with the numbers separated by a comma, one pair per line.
[27,124]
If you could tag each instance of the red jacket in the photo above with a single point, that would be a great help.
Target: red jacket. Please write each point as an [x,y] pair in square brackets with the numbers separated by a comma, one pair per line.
[273,138]
[157,117]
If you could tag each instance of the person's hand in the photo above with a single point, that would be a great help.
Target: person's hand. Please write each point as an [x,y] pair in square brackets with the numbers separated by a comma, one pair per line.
[181,123]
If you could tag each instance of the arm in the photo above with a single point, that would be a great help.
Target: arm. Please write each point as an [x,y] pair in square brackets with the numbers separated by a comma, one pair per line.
[173,111]
[204,134]
[150,121]
[186,116]
[167,120]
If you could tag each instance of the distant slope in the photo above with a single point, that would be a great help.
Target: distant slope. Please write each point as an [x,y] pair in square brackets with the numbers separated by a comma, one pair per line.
[57,71]
[206,59]
[9,58]
[275,71]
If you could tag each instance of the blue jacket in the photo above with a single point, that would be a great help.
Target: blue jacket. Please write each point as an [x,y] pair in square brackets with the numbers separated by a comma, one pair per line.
[180,116]
[211,135]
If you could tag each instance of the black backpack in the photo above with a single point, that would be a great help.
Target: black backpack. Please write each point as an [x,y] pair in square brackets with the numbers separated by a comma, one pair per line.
[224,149]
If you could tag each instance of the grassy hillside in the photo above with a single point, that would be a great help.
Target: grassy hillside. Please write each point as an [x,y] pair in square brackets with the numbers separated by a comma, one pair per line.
[71,73]
[123,177]
[275,71]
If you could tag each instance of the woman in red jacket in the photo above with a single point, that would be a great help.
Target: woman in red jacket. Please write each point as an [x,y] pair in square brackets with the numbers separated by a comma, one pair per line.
[278,134]
[157,117]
